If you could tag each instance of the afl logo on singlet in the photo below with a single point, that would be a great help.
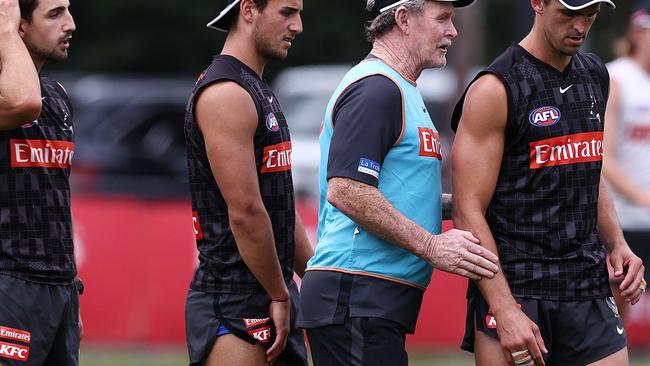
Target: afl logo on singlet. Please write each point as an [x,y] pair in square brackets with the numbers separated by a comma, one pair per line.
[545,116]
[272,122]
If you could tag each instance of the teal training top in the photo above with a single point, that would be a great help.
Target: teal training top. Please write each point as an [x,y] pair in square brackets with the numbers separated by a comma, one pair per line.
[410,178]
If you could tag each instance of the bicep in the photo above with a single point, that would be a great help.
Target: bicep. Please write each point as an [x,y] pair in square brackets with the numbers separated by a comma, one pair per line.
[227,118]
[479,144]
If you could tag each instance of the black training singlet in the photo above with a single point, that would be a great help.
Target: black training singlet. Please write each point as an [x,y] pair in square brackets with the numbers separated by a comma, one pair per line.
[221,268]
[543,214]
[35,220]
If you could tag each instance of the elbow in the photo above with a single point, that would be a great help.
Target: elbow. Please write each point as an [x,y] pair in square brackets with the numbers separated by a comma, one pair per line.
[23,111]
[246,216]
[335,197]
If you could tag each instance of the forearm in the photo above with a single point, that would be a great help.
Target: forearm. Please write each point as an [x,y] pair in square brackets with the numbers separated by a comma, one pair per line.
[20,93]
[369,208]
[609,228]
[495,290]
[304,250]
[255,241]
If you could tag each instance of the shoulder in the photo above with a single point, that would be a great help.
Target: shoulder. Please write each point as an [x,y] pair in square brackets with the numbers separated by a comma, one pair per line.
[377,87]
[486,103]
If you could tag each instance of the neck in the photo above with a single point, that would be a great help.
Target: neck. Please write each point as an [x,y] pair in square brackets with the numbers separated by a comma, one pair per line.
[242,47]
[395,55]
[38,62]
[538,46]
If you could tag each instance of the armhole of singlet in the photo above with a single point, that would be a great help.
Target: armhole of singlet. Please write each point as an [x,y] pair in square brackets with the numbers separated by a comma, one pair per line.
[201,88]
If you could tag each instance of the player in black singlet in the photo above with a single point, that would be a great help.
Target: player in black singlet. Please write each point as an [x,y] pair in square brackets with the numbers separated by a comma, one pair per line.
[527,182]
[39,310]
[242,303]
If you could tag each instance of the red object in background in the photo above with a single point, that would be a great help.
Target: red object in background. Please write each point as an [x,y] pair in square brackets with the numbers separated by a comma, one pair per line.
[137,257]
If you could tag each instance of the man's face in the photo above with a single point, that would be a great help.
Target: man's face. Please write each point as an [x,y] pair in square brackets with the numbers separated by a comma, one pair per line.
[566,29]
[276,27]
[47,36]
[433,32]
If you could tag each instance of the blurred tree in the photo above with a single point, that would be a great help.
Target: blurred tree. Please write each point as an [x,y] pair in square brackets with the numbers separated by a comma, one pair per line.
[164,36]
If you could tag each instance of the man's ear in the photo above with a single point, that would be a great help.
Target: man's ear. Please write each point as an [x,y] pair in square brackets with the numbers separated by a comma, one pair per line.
[402,19]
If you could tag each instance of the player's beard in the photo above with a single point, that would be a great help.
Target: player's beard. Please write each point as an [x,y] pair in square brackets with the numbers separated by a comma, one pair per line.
[52,55]
[265,47]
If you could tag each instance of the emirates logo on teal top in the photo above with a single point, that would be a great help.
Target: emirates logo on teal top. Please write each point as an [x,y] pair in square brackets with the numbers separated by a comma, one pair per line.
[272,122]
[545,116]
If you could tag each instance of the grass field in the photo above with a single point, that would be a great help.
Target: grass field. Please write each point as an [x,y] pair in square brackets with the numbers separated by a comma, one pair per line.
[148,357]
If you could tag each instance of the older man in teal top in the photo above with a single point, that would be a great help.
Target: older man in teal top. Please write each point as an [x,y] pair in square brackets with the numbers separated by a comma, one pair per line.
[380,210]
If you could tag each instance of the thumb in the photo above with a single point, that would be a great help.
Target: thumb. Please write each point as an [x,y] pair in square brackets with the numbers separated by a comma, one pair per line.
[617,265]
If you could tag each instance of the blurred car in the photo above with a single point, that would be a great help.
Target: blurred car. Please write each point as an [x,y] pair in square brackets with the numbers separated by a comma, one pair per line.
[304,93]
[129,135]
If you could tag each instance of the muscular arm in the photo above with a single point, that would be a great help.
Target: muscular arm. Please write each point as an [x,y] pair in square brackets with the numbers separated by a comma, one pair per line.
[476,161]
[612,170]
[227,118]
[304,250]
[20,91]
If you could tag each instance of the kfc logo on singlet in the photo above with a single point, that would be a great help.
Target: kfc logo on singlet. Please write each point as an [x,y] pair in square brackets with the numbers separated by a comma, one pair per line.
[565,150]
[249,323]
[14,351]
[545,116]
[41,153]
[430,144]
[15,334]
[277,158]
[262,334]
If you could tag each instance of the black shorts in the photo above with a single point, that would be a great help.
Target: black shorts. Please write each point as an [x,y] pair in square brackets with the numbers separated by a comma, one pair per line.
[246,316]
[575,333]
[359,341]
[639,242]
[39,324]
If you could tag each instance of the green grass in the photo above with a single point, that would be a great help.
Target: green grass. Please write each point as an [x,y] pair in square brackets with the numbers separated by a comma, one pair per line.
[178,357]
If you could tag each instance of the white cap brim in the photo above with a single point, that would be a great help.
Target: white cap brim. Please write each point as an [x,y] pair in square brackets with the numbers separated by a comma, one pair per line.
[587,4]
[457,3]
[222,21]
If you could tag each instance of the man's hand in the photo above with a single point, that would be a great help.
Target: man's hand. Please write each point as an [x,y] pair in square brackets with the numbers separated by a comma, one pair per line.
[518,333]
[459,252]
[9,16]
[626,270]
[279,312]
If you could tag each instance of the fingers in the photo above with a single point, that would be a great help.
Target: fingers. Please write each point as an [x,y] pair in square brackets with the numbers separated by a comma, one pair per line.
[466,273]
[639,293]
[481,251]
[633,276]
[482,257]
[476,269]
[276,349]
[469,236]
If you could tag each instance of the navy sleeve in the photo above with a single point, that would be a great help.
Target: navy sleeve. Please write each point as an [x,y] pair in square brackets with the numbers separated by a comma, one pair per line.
[368,120]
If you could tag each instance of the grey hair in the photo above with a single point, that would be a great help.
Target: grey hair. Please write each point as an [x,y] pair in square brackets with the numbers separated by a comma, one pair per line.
[385,21]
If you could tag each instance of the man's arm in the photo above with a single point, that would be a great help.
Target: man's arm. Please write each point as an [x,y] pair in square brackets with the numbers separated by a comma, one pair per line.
[476,160]
[612,170]
[455,251]
[627,268]
[20,90]
[227,118]
[304,250]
